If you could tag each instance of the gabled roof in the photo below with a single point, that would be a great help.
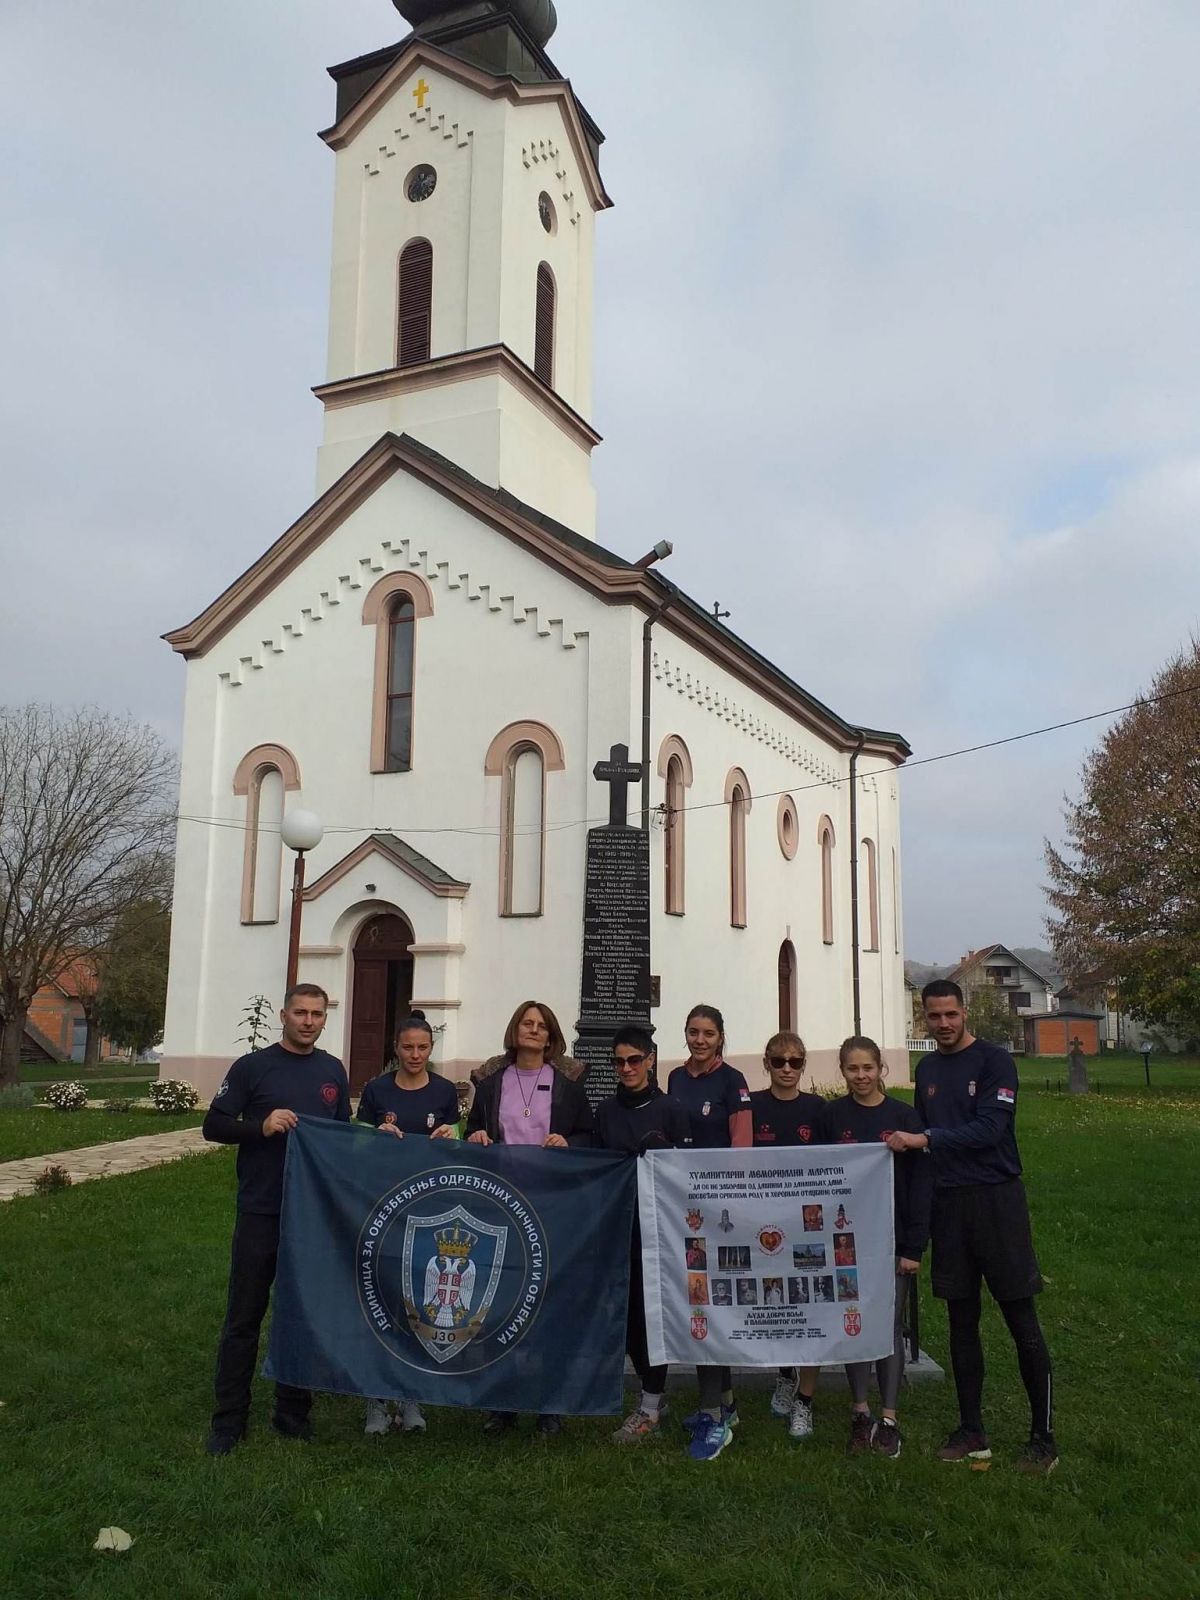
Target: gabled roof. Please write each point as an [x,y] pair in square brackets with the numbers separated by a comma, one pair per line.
[602,572]
[977,957]
[416,52]
[401,854]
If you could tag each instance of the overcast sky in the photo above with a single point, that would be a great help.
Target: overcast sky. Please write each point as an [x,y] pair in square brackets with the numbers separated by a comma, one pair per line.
[898,341]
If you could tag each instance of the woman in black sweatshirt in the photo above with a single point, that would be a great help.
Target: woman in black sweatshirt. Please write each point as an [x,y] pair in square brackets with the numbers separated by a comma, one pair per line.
[640,1117]
[867,1116]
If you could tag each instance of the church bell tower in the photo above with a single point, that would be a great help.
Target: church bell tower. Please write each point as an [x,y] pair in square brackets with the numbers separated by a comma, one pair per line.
[466,193]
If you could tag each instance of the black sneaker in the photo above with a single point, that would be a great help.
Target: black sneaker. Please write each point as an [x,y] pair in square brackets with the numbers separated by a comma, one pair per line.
[887,1439]
[1039,1457]
[299,1428]
[862,1431]
[220,1444]
[965,1444]
[499,1421]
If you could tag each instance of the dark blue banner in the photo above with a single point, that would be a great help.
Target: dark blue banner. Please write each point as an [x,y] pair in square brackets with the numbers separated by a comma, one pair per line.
[426,1269]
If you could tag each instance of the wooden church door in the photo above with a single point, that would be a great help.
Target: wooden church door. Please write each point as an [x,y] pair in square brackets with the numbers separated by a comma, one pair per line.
[382,995]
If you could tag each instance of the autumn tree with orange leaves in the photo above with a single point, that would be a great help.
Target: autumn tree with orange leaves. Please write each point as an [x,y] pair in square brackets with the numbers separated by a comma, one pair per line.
[1125,887]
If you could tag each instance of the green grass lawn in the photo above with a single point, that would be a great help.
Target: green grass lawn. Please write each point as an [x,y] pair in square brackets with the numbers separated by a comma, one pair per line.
[110,1300]
[41,1131]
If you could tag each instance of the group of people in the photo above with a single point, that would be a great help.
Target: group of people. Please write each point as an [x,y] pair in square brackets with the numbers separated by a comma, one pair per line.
[957,1180]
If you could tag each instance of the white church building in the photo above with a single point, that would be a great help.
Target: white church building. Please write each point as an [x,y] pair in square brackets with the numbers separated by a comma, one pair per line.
[436,654]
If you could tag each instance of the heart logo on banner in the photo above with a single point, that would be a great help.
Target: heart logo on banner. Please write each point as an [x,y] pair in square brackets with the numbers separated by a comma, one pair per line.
[770,1239]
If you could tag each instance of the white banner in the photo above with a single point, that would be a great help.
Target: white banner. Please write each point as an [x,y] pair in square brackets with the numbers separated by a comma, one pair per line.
[768,1258]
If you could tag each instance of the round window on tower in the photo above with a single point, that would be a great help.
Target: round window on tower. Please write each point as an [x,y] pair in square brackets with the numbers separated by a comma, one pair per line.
[547,213]
[420,183]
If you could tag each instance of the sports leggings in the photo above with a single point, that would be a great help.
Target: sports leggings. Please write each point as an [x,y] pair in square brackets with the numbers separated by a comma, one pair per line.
[1033,1358]
[888,1369]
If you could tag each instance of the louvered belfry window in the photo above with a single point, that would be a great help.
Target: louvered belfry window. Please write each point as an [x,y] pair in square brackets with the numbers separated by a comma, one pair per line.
[416,303]
[543,343]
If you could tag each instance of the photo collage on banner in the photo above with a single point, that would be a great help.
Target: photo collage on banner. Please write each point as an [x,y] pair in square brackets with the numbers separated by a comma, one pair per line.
[749,1253]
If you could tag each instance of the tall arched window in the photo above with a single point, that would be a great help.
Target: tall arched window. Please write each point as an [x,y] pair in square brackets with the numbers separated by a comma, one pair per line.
[737,797]
[414,318]
[826,840]
[401,623]
[787,987]
[264,775]
[673,839]
[524,831]
[872,886]
[520,756]
[393,608]
[543,337]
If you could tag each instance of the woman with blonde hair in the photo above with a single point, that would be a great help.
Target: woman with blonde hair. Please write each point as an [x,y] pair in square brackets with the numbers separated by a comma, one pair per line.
[527,1098]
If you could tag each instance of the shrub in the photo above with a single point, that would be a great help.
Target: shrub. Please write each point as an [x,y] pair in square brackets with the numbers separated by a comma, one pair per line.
[172,1095]
[69,1096]
[17,1097]
[119,1105]
[51,1178]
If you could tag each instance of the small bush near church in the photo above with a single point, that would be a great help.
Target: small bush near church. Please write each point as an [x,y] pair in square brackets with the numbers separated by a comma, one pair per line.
[71,1096]
[51,1178]
[172,1095]
[17,1097]
[119,1105]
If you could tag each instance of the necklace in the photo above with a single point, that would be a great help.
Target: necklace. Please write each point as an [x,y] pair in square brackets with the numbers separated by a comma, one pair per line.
[532,1092]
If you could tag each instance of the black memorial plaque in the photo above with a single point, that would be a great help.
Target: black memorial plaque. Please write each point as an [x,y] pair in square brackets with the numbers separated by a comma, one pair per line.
[615,986]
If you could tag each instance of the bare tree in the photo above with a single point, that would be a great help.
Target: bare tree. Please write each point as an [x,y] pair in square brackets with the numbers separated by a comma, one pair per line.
[86,829]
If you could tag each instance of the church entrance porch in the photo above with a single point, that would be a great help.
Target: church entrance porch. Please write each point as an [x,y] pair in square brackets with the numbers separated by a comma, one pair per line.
[381,995]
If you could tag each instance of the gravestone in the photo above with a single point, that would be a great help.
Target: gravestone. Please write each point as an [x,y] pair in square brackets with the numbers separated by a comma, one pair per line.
[1077,1073]
[615,981]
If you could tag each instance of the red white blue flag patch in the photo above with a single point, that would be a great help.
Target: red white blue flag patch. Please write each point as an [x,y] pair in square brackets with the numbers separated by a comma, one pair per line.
[1006,1097]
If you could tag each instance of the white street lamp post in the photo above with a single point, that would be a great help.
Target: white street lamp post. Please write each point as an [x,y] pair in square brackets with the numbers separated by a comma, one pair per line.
[301,831]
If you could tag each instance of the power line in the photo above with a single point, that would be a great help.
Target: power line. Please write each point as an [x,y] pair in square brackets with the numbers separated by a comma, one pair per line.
[484,830]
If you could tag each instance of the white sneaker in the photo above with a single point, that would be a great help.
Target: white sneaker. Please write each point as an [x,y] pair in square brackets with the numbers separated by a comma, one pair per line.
[410,1419]
[784,1397]
[800,1424]
[378,1420]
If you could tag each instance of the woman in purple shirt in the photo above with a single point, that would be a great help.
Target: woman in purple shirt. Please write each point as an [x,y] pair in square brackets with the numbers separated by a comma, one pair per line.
[530,1100]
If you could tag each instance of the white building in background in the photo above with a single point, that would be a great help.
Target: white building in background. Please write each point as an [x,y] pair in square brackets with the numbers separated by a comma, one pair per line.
[436,654]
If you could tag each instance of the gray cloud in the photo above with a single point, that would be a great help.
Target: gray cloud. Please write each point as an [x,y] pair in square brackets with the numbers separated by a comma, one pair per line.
[896,339]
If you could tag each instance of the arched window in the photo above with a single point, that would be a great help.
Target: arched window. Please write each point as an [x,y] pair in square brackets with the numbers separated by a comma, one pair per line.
[826,840]
[675,767]
[737,797]
[520,756]
[673,802]
[543,337]
[414,316]
[393,608]
[872,886]
[401,624]
[264,775]
[524,832]
[787,987]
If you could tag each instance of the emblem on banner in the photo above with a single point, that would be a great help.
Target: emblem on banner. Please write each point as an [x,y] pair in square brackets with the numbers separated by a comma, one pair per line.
[695,1220]
[725,1225]
[852,1322]
[770,1240]
[699,1326]
[446,1259]
[449,1278]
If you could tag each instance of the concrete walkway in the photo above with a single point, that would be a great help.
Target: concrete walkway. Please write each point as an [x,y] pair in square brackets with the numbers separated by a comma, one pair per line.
[103,1160]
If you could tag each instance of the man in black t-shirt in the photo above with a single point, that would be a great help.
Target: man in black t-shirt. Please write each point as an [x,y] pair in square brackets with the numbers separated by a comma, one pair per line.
[261,1100]
[966,1096]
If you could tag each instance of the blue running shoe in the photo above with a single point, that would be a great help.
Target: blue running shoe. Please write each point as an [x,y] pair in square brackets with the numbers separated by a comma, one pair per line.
[729,1416]
[709,1440]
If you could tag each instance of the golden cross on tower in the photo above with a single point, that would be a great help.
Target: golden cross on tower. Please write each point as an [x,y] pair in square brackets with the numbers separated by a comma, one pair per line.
[420,92]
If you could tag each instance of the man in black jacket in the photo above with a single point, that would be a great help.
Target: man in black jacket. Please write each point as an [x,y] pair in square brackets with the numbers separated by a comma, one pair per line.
[261,1100]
